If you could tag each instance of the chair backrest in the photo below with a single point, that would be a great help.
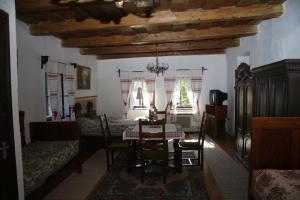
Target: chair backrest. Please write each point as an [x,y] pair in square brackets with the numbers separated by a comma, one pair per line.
[164,113]
[158,136]
[203,128]
[105,129]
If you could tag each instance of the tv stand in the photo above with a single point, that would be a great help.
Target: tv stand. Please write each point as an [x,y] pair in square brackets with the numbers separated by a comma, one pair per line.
[216,120]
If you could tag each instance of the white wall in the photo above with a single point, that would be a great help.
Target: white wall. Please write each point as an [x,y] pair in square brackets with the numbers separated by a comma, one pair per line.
[31,76]
[277,39]
[109,91]
[9,7]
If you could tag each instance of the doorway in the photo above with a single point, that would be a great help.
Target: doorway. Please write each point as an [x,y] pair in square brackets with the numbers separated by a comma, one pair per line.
[8,173]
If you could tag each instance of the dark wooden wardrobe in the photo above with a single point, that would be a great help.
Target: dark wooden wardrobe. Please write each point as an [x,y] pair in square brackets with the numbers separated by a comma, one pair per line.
[269,90]
[278,89]
[244,109]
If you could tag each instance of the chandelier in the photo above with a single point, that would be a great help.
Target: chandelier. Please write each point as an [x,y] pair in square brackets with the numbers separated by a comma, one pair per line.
[157,67]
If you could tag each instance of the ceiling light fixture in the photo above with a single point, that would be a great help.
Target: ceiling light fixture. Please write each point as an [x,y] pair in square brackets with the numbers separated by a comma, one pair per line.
[157,67]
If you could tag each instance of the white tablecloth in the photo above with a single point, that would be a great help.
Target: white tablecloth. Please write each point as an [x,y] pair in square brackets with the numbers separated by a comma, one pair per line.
[172,132]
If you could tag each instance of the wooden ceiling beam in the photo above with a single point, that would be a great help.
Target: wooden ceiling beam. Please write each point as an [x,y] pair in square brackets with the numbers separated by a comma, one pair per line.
[164,47]
[224,14]
[179,5]
[247,2]
[27,6]
[174,53]
[220,3]
[163,37]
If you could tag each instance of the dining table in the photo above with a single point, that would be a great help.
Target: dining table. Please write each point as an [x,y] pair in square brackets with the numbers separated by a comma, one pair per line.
[173,131]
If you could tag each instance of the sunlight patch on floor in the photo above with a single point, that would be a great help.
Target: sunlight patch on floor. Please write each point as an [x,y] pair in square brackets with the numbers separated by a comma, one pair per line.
[209,145]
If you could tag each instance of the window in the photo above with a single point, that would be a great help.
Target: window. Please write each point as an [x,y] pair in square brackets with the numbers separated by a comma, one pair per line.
[183,101]
[139,99]
[63,99]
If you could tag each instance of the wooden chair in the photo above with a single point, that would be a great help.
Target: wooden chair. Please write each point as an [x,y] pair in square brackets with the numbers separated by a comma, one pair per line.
[150,150]
[162,113]
[113,146]
[193,145]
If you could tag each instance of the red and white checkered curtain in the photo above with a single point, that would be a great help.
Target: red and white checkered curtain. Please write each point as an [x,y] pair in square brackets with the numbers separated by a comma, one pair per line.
[169,90]
[125,87]
[150,85]
[196,84]
[52,77]
[69,90]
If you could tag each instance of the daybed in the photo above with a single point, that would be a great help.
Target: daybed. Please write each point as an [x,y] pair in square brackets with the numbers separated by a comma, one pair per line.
[91,134]
[90,126]
[275,158]
[50,157]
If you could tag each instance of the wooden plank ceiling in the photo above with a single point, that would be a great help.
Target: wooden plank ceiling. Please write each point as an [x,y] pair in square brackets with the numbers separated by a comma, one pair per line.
[178,27]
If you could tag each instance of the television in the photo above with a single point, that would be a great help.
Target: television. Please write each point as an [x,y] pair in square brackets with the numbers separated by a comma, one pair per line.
[216,97]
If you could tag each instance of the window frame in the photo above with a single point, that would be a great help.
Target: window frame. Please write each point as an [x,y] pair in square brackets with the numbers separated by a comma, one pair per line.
[63,96]
[179,105]
[138,106]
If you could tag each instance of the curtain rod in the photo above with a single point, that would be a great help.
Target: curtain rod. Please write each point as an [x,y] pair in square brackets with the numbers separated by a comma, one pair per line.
[45,60]
[186,69]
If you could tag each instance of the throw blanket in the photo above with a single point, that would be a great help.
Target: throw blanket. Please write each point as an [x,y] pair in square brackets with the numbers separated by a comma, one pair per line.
[91,126]
[276,184]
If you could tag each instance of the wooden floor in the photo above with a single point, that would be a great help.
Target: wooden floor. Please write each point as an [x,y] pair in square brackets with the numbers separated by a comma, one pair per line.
[95,167]
[227,143]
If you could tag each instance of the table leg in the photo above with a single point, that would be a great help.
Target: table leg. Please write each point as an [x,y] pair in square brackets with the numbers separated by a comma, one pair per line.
[177,160]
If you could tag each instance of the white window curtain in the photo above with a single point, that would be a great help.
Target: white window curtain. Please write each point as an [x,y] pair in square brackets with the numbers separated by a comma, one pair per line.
[150,85]
[52,90]
[55,94]
[169,90]
[69,90]
[125,87]
[196,83]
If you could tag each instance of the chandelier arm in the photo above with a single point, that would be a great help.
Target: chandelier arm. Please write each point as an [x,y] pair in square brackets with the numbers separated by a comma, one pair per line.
[158,67]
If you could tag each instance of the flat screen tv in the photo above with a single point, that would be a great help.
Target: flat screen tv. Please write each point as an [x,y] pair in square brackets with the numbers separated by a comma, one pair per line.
[216,97]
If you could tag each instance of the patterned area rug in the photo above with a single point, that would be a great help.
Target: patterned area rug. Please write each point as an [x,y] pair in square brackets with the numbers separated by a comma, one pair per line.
[120,185]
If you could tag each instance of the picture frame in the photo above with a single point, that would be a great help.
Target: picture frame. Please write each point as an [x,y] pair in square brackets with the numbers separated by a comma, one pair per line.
[83,78]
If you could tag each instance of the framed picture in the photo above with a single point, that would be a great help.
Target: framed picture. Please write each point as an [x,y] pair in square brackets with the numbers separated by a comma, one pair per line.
[83,78]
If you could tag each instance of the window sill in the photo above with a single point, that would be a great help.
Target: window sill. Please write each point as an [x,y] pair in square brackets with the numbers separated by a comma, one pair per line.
[140,108]
[184,108]
[184,111]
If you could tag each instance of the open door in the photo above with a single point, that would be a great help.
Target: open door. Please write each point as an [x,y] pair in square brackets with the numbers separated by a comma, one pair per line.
[8,173]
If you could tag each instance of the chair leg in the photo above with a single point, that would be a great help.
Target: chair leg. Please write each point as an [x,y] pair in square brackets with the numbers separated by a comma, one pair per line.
[107,160]
[142,171]
[198,160]
[112,157]
[201,159]
[165,170]
[129,160]
[179,162]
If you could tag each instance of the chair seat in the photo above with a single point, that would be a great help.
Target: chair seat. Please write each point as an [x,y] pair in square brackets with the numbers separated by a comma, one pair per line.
[153,154]
[189,144]
[118,145]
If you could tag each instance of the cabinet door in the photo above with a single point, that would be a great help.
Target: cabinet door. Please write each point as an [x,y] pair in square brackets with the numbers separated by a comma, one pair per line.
[262,97]
[8,171]
[239,117]
[240,105]
[239,144]
[248,114]
[278,94]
